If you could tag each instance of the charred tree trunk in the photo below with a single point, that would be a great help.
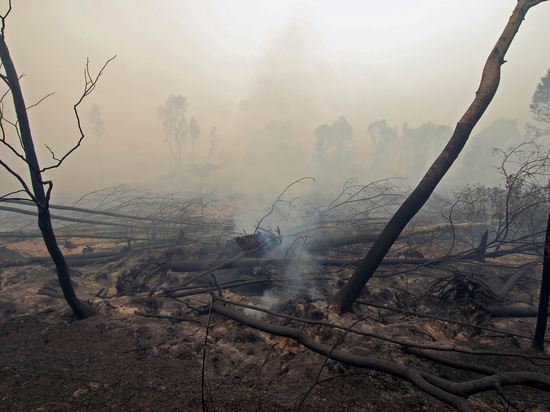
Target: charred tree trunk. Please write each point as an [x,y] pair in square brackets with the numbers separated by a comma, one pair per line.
[479,254]
[345,298]
[38,194]
[542,315]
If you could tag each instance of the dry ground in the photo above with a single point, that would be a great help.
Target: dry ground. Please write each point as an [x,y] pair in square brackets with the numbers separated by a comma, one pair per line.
[121,361]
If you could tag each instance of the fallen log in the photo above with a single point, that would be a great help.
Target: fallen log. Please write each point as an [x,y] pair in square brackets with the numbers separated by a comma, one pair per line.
[73,260]
[511,282]
[66,218]
[32,235]
[88,211]
[380,365]
[518,311]
[200,265]
[330,242]
[448,392]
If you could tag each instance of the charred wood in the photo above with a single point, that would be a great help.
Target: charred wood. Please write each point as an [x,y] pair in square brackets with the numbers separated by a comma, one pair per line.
[198,265]
[448,392]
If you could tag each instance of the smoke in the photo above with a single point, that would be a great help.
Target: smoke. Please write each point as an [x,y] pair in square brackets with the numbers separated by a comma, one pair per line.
[266,75]
[267,301]
[477,164]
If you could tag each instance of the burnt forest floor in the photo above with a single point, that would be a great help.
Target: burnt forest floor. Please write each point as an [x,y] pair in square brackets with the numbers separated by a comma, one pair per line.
[131,357]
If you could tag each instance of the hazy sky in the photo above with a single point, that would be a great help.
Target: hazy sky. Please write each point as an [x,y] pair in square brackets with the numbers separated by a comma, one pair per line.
[244,63]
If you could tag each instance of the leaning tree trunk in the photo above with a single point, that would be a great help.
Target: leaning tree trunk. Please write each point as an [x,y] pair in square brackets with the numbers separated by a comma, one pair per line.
[38,194]
[542,315]
[345,298]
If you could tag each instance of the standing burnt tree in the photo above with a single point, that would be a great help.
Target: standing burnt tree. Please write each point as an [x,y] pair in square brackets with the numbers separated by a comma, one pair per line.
[39,190]
[490,79]
[544,298]
[540,108]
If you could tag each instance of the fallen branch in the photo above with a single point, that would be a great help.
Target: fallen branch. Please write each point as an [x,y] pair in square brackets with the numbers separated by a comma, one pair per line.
[228,285]
[66,218]
[379,365]
[198,265]
[447,392]
[90,211]
[86,235]
[437,346]
[514,311]
[330,242]
[176,318]
[442,319]
[50,293]
[511,282]
[449,362]
[73,260]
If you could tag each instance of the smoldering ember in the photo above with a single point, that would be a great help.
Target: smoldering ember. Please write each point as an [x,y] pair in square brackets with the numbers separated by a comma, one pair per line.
[344,288]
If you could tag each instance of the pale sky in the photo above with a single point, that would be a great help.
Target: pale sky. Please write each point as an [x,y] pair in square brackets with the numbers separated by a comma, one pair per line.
[244,63]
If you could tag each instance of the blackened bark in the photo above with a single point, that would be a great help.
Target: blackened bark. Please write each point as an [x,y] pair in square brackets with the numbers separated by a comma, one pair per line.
[542,315]
[479,254]
[344,299]
[38,194]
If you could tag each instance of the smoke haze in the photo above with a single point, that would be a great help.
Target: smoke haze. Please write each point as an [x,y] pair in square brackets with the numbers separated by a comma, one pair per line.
[265,75]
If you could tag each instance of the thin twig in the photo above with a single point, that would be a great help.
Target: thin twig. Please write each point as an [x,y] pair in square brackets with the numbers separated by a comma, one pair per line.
[327,357]
[204,406]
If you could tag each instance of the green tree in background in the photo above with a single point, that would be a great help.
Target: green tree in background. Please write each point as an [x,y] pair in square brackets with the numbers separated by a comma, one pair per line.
[172,117]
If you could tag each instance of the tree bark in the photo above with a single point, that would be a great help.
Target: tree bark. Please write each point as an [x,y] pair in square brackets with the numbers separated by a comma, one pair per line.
[542,315]
[345,298]
[514,311]
[323,244]
[38,194]
[451,393]
[479,254]
[199,265]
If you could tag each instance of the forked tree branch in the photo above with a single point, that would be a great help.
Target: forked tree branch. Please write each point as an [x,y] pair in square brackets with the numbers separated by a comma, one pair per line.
[90,84]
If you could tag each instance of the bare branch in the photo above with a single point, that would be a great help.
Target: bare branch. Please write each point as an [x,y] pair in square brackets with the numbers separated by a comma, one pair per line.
[90,84]
[4,197]
[273,206]
[3,18]
[40,101]
[20,179]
